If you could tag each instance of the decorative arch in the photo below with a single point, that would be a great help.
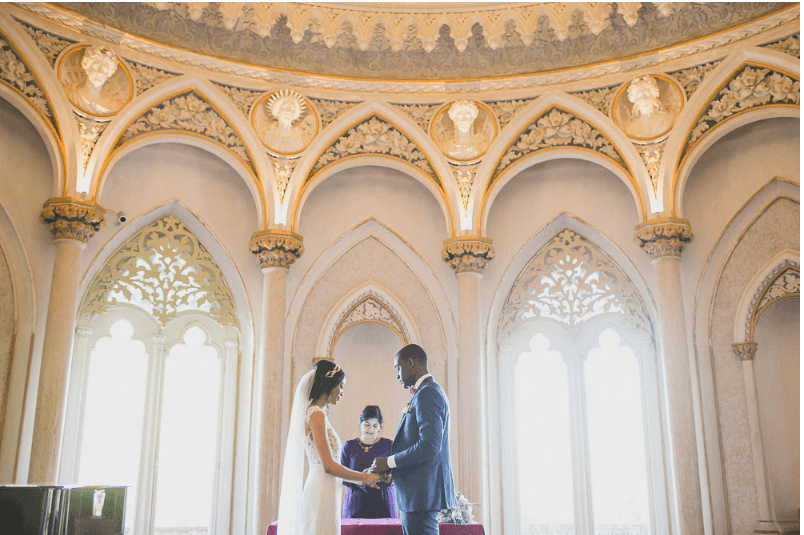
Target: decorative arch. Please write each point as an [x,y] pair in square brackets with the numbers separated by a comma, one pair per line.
[779,279]
[558,124]
[367,304]
[747,87]
[165,270]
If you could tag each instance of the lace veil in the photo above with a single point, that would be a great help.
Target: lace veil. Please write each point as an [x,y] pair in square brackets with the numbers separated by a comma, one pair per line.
[290,496]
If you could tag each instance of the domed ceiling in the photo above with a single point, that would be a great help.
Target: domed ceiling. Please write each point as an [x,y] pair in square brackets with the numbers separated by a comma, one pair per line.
[426,42]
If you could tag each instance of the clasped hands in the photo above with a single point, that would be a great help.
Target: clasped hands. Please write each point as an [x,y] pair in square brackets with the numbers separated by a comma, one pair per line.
[380,466]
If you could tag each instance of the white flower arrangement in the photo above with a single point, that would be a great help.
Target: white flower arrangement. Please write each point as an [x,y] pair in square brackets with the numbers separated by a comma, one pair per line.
[459,515]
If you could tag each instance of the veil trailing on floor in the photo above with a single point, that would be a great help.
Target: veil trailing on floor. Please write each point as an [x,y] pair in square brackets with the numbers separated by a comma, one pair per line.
[290,496]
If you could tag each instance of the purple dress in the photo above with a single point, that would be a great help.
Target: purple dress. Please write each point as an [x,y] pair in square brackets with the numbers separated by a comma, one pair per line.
[365,502]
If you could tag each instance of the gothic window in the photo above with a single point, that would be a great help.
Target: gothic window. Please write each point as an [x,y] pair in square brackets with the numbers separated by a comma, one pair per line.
[577,372]
[154,381]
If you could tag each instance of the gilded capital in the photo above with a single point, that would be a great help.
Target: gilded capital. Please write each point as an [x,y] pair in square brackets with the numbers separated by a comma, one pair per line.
[276,248]
[468,254]
[70,219]
[745,350]
[664,238]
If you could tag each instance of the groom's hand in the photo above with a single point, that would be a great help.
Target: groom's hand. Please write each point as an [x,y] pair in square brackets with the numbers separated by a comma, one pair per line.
[380,464]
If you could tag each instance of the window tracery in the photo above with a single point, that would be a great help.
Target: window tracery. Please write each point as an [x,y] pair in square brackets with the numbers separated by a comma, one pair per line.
[164,270]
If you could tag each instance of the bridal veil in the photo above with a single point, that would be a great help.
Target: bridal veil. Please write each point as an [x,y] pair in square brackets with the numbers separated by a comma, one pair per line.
[290,497]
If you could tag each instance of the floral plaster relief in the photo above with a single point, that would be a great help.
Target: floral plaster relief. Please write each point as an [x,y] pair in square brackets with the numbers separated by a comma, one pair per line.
[355,268]
[775,230]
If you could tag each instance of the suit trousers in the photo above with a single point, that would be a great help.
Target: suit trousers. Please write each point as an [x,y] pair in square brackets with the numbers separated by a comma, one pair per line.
[419,522]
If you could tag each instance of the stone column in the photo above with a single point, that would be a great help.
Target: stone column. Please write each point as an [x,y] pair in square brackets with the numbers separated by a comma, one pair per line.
[72,224]
[276,250]
[747,351]
[468,257]
[664,240]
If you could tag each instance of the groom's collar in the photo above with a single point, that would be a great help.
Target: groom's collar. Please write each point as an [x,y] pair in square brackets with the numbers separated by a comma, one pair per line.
[420,381]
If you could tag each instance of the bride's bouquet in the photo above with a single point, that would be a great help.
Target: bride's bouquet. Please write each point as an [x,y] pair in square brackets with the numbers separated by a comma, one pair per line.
[459,515]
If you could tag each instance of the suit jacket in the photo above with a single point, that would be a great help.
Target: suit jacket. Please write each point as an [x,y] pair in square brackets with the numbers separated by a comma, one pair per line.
[423,473]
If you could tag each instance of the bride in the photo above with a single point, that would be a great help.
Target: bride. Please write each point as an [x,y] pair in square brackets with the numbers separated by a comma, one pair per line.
[313,507]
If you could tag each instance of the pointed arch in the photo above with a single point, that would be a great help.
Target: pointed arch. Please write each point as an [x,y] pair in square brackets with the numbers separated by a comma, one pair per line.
[593,137]
[417,156]
[696,131]
[215,126]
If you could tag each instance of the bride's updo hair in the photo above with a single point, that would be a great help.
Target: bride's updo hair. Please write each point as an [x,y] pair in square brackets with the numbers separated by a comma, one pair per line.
[328,375]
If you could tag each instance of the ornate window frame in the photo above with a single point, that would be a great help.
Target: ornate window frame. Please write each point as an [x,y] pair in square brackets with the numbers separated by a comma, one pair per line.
[636,331]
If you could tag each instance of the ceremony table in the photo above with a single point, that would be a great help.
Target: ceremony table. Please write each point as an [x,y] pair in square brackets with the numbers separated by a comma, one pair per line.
[391,526]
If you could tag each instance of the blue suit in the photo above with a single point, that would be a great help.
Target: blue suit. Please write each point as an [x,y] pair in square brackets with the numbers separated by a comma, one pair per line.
[423,473]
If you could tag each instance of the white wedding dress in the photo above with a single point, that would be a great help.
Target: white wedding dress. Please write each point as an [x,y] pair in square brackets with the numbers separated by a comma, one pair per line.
[320,512]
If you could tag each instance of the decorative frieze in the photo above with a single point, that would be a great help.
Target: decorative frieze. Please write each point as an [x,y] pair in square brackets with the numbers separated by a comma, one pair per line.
[783,281]
[192,113]
[16,73]
[421,113]
[557,128]
[368,307]
[691,78]
[164,270]
[146,77]
[599,98]
[243,98]
[791,45]
[71,219]
[664,238]
[506,110]
[50,44]
[569,281]
[375,135]
[745,350]
[468,254]
[330,110]
[750,87]
[276,248]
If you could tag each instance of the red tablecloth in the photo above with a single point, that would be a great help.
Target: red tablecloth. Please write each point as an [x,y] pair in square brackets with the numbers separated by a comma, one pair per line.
[391,526]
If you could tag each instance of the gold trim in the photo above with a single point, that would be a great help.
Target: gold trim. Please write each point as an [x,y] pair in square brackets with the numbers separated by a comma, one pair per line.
[311,178]
[422,80]
[55,128]
[355,324]
[441,112]
[71,50]
[110,155]
[673,84]
[703,109]
[494,175]
[757,312]
[310,106]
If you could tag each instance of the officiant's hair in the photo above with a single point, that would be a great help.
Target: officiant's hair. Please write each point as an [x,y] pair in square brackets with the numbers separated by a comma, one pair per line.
[328,375]
[369,412]
[415,352]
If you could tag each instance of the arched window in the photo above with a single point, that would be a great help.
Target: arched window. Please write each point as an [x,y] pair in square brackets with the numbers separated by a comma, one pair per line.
[152,394]
[578,375]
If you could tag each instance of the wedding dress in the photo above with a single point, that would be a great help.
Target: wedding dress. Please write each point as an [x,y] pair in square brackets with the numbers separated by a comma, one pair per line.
[311,507]
[321,498]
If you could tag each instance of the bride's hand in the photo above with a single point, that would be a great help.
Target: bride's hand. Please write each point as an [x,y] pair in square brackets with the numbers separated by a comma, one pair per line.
[371,479]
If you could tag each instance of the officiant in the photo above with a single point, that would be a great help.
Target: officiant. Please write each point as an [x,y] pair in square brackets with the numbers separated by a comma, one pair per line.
[358,454]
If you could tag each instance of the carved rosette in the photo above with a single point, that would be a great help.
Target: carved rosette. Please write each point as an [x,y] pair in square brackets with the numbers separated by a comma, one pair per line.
[468,254]
[276,248]
[69,219]
[745,350]
[664,238]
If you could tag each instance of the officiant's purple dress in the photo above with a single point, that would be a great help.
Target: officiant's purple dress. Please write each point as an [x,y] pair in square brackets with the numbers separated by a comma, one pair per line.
[365,502]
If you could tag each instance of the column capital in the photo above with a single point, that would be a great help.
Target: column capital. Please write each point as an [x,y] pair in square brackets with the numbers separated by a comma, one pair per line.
[467,254]
[662,238]
[71,219]
[276,247]
[745,350]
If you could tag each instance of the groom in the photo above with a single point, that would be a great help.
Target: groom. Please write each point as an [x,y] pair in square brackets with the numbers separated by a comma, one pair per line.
[420,453]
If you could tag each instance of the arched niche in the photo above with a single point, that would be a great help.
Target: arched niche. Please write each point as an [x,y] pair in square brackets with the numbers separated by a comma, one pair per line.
[777,376]
[365,352]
